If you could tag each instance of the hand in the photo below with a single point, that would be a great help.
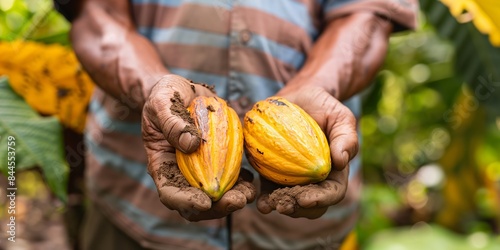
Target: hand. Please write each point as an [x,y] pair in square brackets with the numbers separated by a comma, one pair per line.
[339,124]
[165,128]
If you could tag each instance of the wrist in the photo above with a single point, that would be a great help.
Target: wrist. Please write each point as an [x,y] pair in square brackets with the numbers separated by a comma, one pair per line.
[346,57]
[152,79]
[304,82]
[136,85]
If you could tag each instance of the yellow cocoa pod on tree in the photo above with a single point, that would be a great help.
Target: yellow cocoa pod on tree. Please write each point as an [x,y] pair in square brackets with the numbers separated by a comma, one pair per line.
[214,167]
[285,144]
[49,78]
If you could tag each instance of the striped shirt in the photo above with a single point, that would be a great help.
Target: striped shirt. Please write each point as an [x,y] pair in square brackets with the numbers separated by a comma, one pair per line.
[248,49]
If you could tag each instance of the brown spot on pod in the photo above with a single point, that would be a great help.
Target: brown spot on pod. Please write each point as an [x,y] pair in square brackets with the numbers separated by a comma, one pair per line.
[277,102]
[210,108]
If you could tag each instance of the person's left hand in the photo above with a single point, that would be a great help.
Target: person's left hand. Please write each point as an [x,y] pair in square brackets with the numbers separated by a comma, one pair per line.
[339,124]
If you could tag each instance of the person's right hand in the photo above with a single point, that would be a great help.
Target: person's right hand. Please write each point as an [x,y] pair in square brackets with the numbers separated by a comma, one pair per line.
[165,128]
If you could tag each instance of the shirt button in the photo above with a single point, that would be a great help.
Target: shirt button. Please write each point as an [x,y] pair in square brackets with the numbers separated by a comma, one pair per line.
[245,36]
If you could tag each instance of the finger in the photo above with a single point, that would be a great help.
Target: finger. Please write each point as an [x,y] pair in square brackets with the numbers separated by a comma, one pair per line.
[286,205]
[184,199]
[326,193]
[166,113]
[245,185]
[202,89]
[162,166]
[267,186]
[335,119]
[247,189]
[158,150]
[342,135]
[173,189]
[310,213]
[231,201]
[263,204]
[283,199]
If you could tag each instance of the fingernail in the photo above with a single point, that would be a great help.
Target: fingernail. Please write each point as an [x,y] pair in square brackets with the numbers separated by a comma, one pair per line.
[345,157]
[187,141]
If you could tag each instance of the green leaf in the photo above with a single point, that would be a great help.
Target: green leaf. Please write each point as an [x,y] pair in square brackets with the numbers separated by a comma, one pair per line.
[429,236]
[38,140]
[476,60]
[61,38]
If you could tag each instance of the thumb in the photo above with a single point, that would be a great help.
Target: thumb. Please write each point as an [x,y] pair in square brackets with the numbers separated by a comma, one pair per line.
[166,112]
[177,125]
[343,137]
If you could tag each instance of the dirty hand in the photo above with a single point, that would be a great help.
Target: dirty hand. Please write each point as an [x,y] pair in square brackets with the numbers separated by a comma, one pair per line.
[339,125]
[164,129]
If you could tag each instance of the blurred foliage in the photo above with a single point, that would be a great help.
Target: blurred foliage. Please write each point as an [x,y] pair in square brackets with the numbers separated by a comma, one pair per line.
[38,140]
[430,129]
[44,71]
[430,237]
[483,14]
[32,20]
[476,60]
[402,123]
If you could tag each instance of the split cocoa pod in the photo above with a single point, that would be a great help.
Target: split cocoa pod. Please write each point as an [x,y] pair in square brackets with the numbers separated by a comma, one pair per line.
[215,166]
[285,144]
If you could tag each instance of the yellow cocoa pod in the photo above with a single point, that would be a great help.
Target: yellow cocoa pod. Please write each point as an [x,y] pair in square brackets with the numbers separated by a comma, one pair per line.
[214,167]
[286,145]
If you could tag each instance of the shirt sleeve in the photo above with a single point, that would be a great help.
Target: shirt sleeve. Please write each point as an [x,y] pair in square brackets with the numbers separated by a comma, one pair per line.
[403,13]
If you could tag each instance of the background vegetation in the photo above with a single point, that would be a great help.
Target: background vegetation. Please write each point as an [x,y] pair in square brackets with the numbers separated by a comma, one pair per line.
[430,129]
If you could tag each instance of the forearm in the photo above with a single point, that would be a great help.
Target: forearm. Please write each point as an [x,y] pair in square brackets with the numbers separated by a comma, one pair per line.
[120,61]
[346,56]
